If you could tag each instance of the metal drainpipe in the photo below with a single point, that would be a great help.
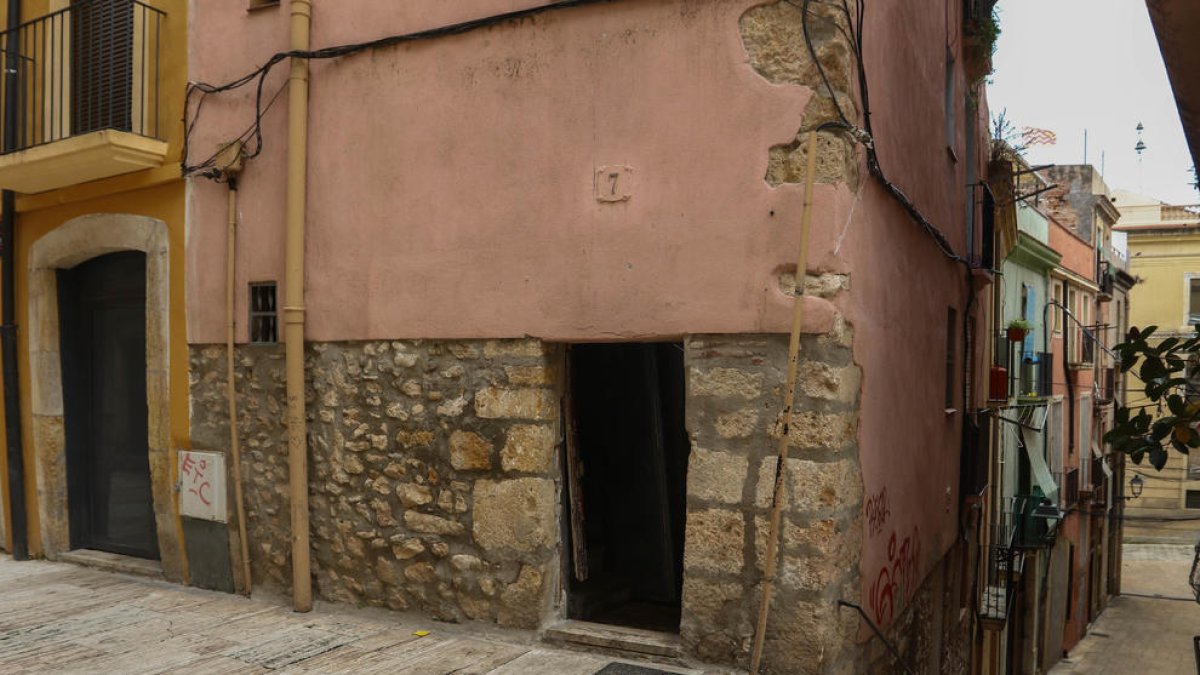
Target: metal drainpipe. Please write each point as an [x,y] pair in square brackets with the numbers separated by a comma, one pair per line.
[293,308]
[8,329]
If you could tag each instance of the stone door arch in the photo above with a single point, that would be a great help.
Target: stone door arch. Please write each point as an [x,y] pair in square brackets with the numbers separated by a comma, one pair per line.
[72,243]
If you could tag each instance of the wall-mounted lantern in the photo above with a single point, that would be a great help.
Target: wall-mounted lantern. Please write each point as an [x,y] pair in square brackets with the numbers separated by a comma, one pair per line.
[1135,485]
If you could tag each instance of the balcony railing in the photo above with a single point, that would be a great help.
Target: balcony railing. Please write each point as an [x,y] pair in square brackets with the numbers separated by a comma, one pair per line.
[1029,373]
[92,66]
[1118,258]
[1033,519]
[1177,213]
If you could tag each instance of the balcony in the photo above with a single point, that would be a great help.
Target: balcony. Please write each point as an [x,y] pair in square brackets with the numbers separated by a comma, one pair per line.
[1029,374]
[85,80]
[1034,519]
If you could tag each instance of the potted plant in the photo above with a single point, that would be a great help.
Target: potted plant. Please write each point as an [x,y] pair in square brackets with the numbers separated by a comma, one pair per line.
[1017,328]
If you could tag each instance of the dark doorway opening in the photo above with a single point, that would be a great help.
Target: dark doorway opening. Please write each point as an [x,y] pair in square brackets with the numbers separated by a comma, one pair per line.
[102,321]
[627,456]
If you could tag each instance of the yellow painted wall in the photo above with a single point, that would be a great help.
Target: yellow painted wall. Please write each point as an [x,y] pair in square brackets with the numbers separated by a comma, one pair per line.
[1162,263]
[157,193]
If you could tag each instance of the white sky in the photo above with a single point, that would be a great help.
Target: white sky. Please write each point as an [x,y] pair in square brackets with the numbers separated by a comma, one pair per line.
[1071,65]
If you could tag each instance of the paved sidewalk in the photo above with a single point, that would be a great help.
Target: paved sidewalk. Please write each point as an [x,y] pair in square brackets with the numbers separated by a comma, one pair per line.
[62,618]
[1149,629]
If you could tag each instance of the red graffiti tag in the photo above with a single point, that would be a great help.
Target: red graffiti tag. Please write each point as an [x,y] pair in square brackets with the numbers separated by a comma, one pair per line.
[877,512]
[897,580]
[200,485]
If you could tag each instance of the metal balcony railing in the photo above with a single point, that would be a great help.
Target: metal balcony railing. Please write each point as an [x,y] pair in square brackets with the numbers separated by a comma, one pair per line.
[1034,520]
[1029,373]
[1004,566]
[89,67]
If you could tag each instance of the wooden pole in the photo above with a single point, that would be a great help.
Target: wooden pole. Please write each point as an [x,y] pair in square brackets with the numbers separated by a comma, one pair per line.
[768,586]
[235,449]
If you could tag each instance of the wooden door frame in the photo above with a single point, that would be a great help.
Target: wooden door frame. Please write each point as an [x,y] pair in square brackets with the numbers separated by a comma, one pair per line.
[68,245]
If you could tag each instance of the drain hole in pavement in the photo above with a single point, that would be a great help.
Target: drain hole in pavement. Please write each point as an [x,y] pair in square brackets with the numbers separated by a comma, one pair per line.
[615,668]
[1099,634]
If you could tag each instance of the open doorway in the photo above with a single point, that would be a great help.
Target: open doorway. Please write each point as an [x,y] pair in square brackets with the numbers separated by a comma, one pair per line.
[627,456]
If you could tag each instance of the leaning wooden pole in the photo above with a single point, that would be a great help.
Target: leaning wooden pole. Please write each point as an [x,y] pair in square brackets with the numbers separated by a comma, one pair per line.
[768,586]
[235,448]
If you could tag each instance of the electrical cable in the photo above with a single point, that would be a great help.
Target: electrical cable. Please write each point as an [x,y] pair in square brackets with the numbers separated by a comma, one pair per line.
[260,74]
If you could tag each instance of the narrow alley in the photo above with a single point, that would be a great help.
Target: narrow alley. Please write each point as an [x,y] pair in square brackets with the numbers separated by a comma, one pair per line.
[1149,627]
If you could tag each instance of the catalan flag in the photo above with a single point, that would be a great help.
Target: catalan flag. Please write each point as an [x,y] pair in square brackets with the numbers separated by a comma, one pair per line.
[1033,136]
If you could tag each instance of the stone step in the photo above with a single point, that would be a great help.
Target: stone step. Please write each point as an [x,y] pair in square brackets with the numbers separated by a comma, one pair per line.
[113,562]
[616,638]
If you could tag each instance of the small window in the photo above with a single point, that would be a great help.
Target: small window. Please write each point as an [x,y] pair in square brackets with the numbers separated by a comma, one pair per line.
[951,332]
[1054,315]
[950,100]
[1192,499]
[1070,579]
[1193,300]
[264,320]
[259,4]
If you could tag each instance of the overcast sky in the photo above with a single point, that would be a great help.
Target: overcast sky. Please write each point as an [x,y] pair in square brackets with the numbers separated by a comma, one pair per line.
[1071,65]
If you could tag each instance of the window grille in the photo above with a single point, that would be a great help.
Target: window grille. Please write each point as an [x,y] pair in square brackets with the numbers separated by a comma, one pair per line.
[264,319]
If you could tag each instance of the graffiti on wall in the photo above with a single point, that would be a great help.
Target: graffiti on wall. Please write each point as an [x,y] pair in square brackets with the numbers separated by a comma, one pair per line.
[877,512]
[897,579]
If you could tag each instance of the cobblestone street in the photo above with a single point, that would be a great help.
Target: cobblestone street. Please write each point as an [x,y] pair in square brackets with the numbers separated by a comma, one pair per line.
[62,618]
[1149,628]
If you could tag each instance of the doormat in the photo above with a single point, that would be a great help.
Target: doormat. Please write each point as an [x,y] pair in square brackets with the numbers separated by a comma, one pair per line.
[615,668]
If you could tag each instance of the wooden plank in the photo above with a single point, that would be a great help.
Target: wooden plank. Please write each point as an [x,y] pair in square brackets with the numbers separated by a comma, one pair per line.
[579,561]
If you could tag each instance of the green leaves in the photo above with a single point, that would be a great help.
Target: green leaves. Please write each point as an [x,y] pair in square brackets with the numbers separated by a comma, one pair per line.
[1158,457]
[1164,372]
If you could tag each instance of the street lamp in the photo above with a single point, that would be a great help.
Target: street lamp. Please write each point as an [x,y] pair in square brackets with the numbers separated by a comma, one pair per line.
[1135,485]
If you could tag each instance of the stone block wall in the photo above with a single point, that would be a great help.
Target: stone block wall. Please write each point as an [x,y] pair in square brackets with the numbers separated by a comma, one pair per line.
[435,483]
[433,471]
[262,413]
[735,392]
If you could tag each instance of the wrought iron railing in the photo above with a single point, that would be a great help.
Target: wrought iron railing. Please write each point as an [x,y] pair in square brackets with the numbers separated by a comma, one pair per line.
[1034,520]
[1003,571]
[89,67]
[1029,373]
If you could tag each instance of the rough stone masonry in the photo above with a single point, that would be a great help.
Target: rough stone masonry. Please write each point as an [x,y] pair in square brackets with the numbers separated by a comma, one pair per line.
[435,480]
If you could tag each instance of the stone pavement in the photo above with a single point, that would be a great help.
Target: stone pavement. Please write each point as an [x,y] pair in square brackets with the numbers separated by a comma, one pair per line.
[1149,628]
[62,618]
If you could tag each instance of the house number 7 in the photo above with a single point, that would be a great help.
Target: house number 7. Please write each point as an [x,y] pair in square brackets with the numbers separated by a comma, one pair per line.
[613,183]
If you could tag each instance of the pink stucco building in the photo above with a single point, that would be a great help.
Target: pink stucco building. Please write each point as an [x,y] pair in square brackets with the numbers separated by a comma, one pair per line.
[549,287]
